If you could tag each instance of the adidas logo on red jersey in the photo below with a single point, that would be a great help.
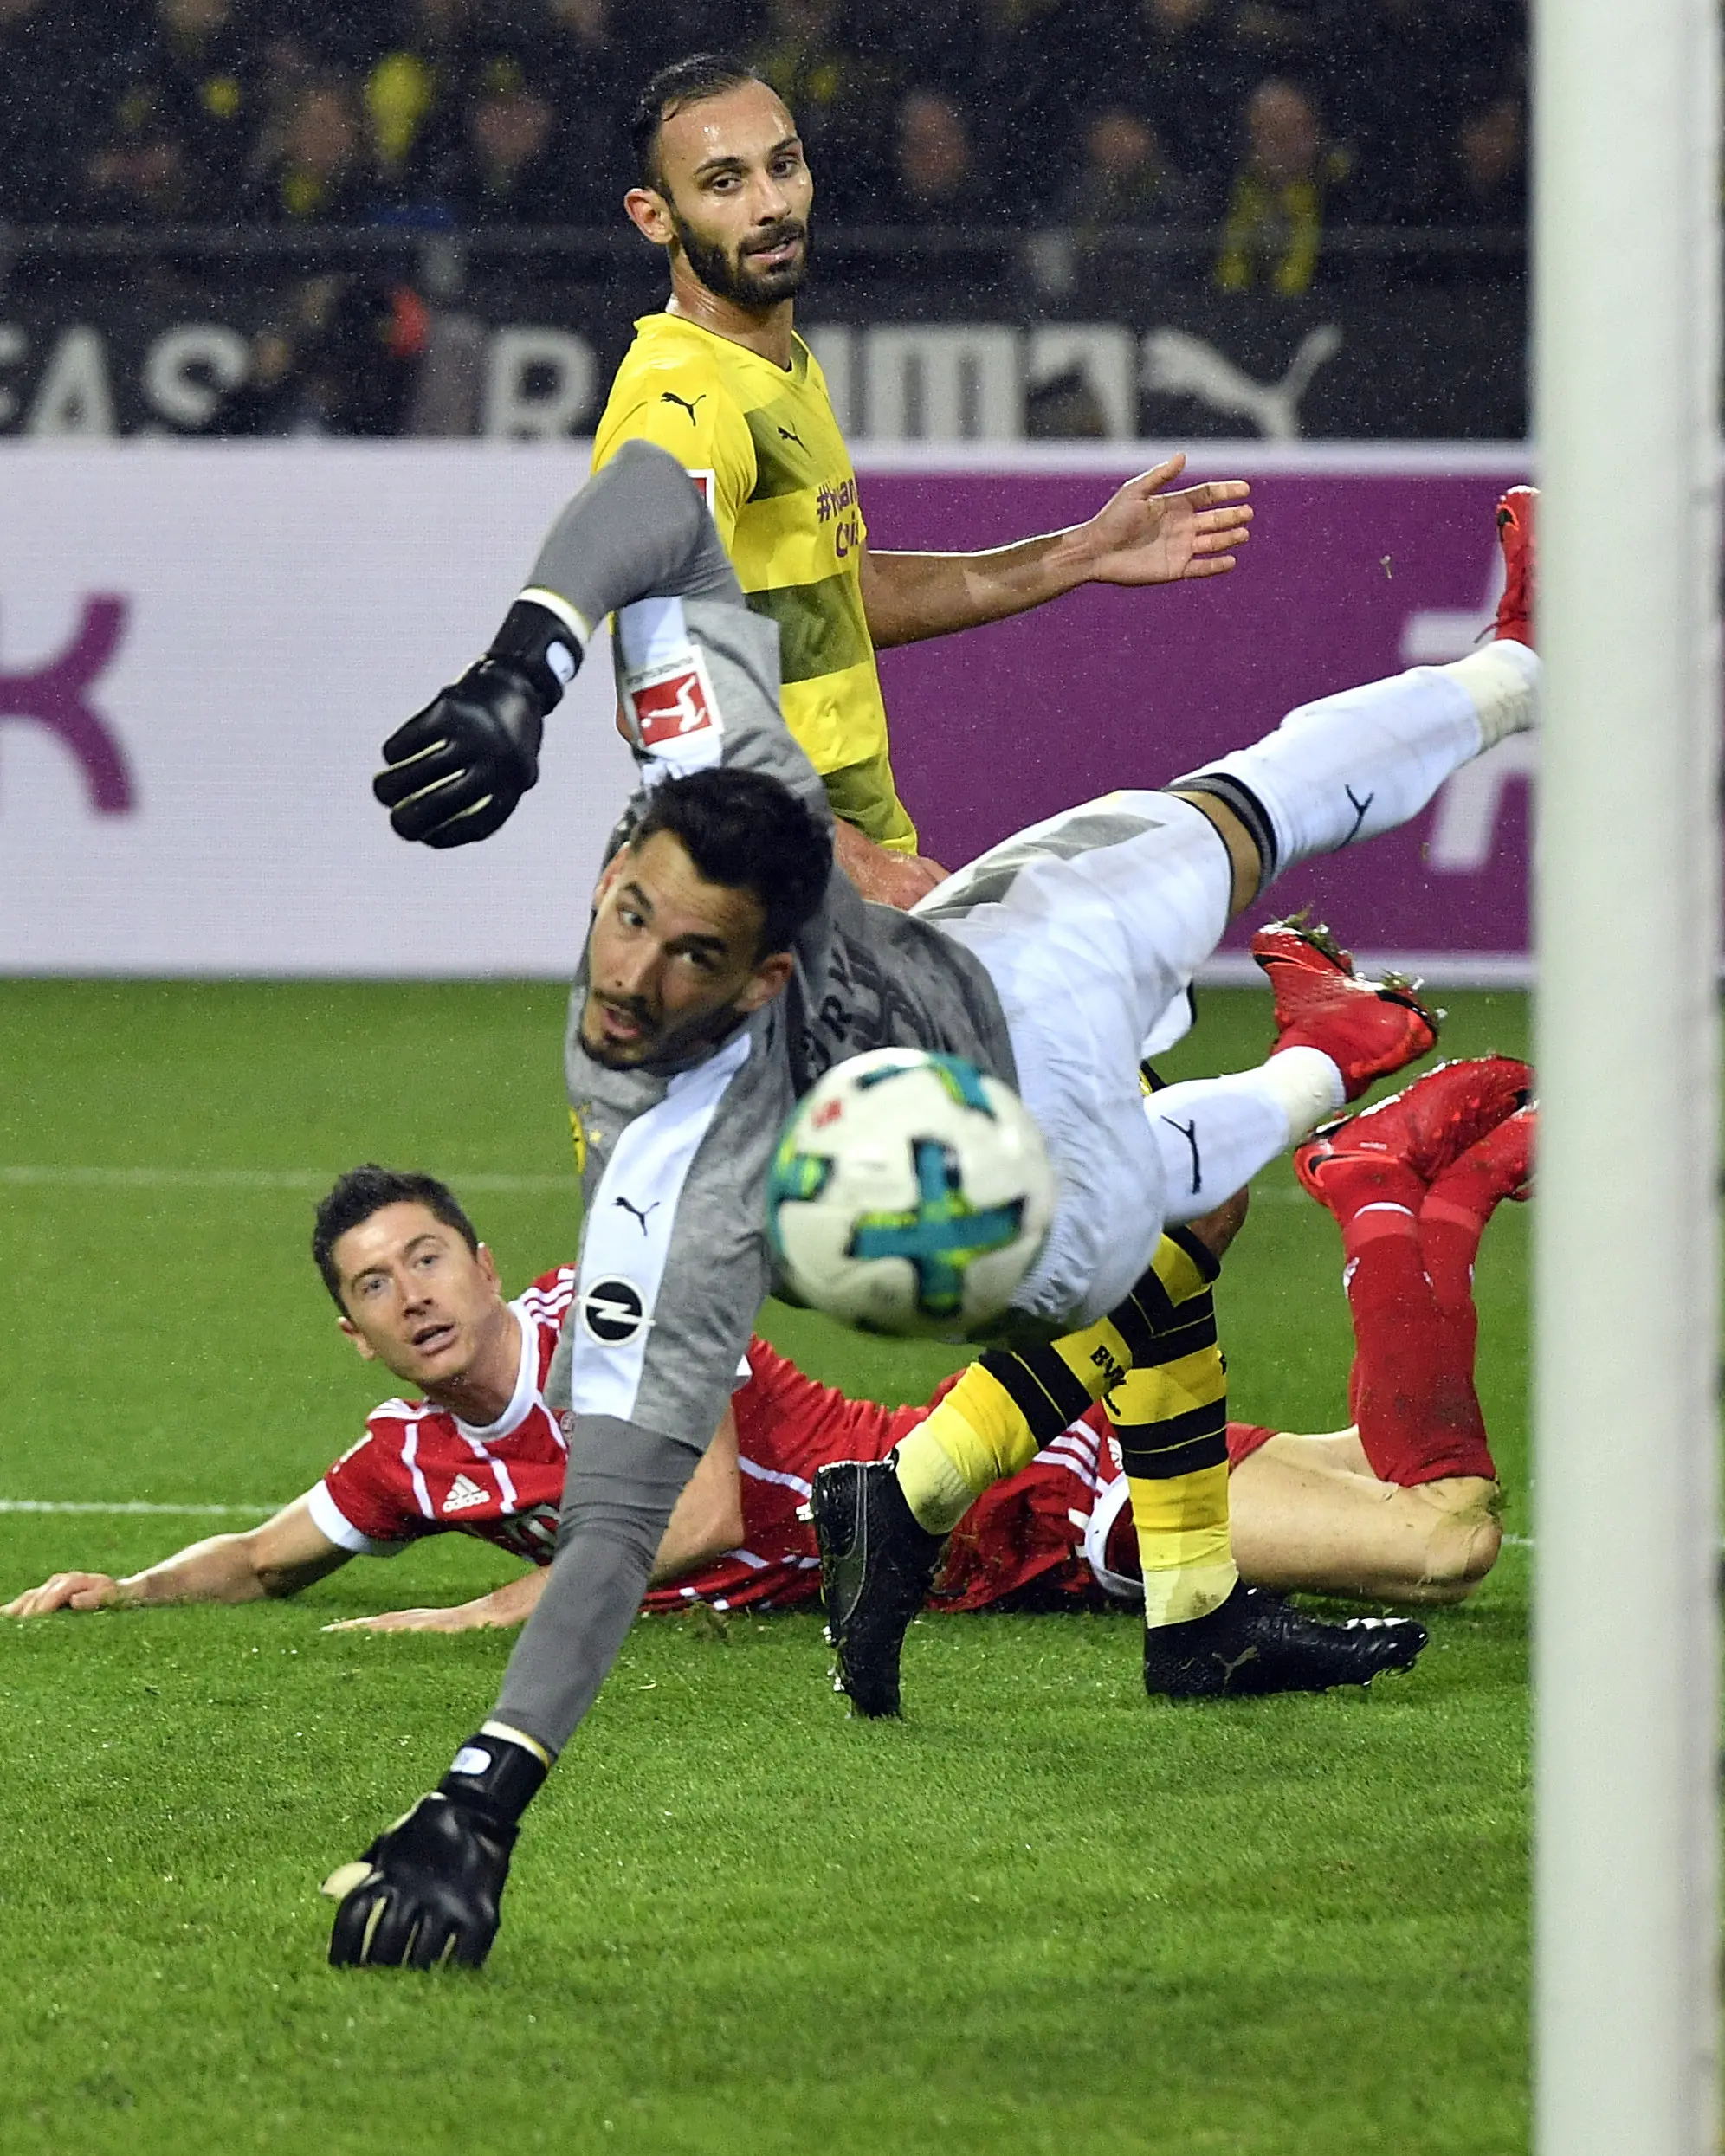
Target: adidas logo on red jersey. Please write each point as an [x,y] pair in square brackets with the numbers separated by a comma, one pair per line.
[463,1495]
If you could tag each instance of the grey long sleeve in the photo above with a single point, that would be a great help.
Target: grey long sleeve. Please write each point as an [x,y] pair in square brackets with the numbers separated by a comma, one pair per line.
[638,529]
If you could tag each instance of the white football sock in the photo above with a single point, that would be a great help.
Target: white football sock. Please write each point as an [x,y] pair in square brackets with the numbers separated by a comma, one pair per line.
[1351,766]
[1307,1086]
[1215,1133]
[1502,678]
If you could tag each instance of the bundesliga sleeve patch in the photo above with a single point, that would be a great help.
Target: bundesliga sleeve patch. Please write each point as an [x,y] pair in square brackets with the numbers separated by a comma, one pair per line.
[668,704]
[672,704]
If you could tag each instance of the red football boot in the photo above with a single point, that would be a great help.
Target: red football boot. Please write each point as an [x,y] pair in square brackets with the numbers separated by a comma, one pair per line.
[1429,1124]
[1367,1028]
[1299,941]
[1343,1177]
[1498,1165]
[1515,516]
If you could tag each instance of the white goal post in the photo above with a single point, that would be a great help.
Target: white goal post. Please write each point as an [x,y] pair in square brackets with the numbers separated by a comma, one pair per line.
[1626,1298]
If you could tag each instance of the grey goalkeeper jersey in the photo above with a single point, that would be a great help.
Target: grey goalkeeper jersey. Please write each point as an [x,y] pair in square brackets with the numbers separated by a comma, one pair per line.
[674,1263]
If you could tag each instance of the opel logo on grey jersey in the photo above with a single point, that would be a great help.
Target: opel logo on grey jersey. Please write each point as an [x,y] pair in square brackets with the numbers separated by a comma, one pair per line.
[613,1310]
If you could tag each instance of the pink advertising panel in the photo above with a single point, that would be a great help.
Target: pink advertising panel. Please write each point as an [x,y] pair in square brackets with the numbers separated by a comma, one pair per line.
[202,647]
[1360,564]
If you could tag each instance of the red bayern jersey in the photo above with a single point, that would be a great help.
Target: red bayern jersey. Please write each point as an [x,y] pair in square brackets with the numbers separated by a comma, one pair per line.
[1056,1534]
[1059,1532]
[421,1470]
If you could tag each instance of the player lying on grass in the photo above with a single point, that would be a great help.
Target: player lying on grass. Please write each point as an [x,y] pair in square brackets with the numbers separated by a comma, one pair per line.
[419,1293]
[727,964]
[480,1453]
[1399,1508]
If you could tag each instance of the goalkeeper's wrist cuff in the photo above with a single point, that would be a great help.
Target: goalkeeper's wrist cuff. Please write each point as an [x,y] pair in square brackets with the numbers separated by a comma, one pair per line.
[544,639]
[497,1774]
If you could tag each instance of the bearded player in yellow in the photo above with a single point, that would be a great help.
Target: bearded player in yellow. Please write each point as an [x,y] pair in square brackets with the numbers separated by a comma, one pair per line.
[721,381]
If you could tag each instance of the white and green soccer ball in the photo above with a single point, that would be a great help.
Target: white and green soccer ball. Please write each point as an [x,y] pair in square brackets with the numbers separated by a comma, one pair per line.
[911,1193]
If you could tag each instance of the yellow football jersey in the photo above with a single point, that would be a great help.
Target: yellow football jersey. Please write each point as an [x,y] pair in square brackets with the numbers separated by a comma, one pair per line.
[763,445]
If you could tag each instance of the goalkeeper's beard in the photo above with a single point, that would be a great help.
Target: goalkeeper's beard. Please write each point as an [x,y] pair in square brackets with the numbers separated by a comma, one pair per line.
[658,1042]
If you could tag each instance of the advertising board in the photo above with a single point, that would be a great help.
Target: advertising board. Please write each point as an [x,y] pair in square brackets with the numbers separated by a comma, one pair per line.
[202,647]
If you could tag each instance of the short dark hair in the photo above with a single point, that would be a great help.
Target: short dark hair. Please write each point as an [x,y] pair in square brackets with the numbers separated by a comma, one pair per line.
[688,82]
[750,833]
[367,1190]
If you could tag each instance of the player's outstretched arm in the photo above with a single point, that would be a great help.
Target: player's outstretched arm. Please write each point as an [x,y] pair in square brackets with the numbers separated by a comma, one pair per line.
[512,1603]
[456,769]
[285,1554]
[1143,534]
[707,1519]
[427,1890]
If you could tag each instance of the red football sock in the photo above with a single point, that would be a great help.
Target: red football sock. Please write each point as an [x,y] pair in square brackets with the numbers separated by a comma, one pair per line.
[1454,1212]
[1361,1189]
[1451,1221]
[1411,1390]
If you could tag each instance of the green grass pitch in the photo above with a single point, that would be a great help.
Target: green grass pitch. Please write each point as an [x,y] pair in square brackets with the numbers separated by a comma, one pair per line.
[1040,1915]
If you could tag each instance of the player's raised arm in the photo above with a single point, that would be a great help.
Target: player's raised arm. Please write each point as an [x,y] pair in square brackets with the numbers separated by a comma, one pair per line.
[456,769]
[1143,534]
[279,1557]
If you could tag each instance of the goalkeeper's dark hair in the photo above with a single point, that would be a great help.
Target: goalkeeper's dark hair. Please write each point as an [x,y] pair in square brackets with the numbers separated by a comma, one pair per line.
[690,80]
[367,1190]
[746,831]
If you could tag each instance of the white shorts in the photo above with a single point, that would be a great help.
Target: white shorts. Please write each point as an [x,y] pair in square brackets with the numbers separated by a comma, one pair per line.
[1091,926]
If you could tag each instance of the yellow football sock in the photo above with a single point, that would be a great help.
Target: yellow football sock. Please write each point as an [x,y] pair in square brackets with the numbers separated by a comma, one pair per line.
[1169,1415]
[1007,1406]
[1183,1545]
[974,1438]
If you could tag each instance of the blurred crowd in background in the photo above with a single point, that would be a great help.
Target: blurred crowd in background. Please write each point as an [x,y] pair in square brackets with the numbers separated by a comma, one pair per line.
[1265,120]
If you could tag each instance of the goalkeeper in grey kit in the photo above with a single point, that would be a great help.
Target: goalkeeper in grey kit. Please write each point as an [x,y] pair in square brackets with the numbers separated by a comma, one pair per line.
[728,965]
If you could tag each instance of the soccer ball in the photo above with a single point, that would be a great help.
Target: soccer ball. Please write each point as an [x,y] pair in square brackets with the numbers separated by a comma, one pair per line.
[910,1194]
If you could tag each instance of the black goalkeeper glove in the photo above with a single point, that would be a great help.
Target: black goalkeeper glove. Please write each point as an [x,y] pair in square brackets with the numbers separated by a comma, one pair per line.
[427,1891]
[456,769]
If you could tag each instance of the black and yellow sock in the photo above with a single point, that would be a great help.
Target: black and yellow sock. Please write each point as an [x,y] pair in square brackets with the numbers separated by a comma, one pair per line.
[1170,1417]
[1007,1406]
